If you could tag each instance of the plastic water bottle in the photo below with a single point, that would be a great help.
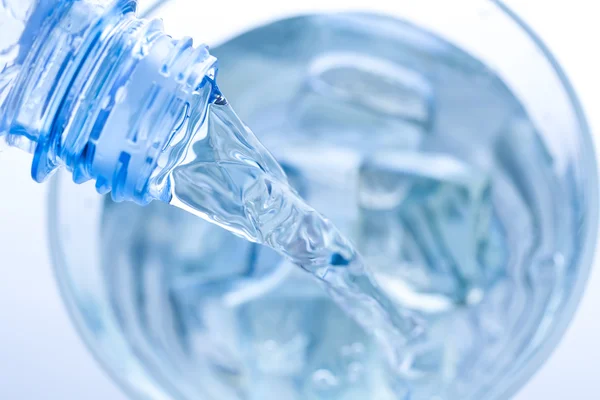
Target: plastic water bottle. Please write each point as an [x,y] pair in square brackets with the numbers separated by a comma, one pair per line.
[87,85]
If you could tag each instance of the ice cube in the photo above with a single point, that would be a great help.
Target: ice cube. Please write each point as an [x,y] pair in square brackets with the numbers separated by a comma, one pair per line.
[189,245]
[201,260]
[380,86]
[355,100]
[427,221]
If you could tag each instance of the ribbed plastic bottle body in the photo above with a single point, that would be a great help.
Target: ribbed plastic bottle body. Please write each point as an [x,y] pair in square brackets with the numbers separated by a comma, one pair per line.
[91,87]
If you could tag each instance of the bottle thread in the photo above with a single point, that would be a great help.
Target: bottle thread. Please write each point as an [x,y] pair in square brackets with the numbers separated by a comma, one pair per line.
[107,95]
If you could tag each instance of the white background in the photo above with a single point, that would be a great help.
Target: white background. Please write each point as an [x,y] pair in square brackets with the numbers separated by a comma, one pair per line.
[41,356]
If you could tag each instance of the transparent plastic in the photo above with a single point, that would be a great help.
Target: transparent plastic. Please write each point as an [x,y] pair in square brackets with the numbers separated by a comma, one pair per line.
[87,85]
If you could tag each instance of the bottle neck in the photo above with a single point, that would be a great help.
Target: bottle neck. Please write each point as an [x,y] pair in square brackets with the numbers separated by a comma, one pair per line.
[110,97]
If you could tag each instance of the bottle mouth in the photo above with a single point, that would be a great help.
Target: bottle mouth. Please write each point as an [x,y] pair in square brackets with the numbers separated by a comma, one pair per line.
[140,128]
